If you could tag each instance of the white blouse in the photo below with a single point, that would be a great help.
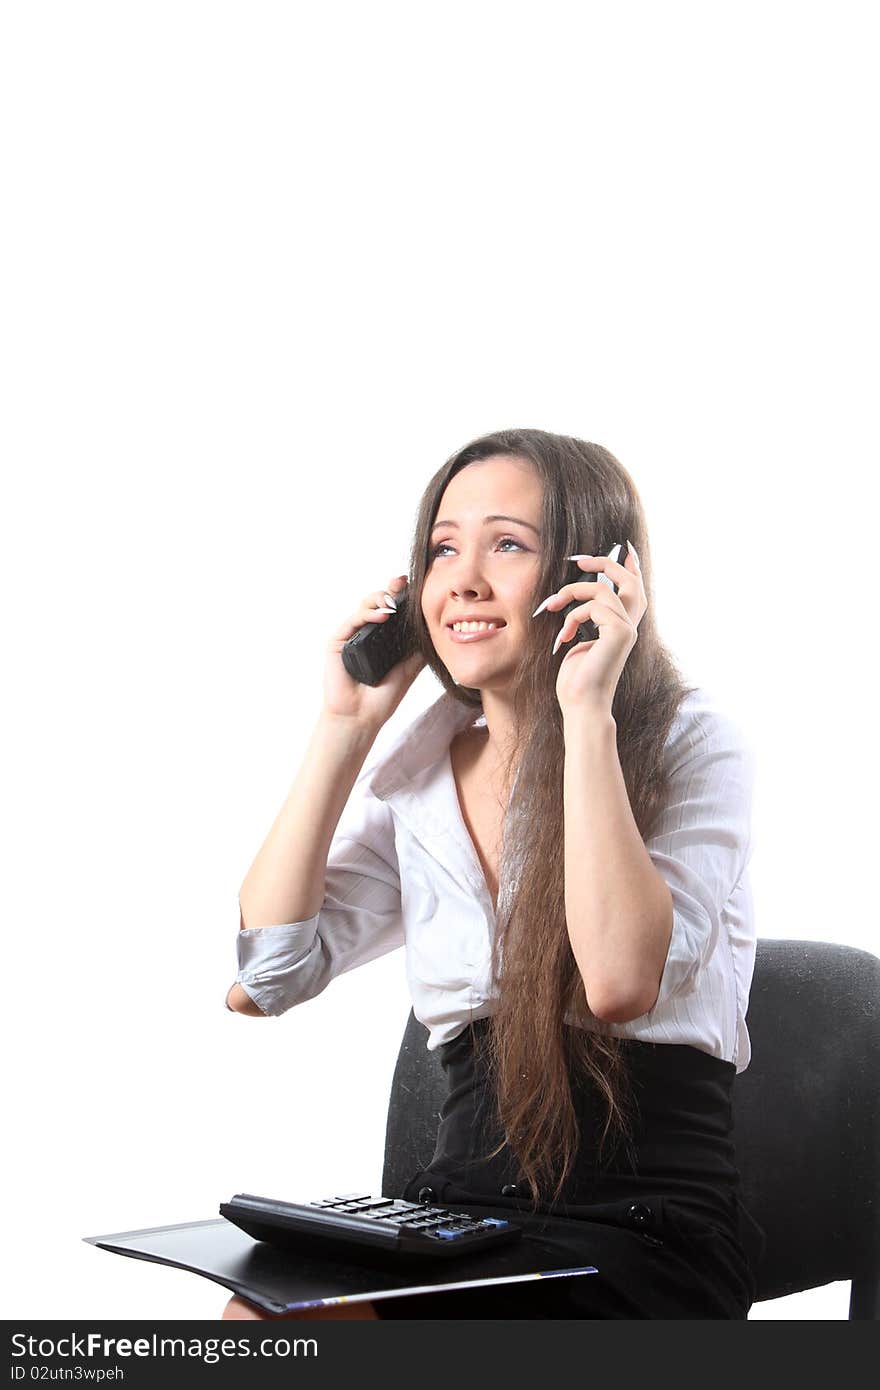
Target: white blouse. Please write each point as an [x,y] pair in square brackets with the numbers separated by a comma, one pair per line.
[403,871]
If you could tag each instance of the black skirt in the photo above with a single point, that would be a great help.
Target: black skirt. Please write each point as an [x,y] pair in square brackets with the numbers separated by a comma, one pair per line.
[661,1216]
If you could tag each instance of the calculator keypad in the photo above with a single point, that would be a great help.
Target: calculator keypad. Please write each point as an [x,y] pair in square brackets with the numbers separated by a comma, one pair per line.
[435,1222]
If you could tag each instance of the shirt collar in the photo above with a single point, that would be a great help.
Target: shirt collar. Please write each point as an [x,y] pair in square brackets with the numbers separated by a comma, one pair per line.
[423,744]
[416,781]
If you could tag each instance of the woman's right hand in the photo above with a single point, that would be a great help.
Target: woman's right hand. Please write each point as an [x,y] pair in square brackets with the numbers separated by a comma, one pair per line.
[370,705]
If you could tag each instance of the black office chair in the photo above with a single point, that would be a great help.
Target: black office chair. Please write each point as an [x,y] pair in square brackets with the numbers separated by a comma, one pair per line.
[806,1117]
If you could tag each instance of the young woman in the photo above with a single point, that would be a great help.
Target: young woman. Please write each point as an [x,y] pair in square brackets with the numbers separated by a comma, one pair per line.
[561,843]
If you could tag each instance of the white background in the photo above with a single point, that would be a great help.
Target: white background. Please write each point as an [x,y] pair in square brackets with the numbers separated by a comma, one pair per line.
[266,266]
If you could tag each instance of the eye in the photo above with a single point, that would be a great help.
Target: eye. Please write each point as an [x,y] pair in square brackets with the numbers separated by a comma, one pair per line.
[502,540]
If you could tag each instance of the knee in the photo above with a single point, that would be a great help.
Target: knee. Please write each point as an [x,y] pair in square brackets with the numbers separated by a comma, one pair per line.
[238,1308]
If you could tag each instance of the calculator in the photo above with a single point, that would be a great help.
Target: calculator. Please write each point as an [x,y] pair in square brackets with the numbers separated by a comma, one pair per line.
[357,1226]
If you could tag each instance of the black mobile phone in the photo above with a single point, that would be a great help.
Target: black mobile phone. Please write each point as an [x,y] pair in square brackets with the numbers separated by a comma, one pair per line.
[369,655]
[588,631]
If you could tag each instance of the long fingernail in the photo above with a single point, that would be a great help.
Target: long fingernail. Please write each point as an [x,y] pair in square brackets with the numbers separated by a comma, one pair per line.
[635,555]
[386,610]
[390,599]
[541,606]
[557,642]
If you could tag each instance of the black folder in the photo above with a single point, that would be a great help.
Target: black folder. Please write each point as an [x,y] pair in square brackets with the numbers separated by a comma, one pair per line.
[280,1281]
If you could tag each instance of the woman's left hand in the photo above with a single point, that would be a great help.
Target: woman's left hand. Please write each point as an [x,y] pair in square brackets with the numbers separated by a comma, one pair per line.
[589,671]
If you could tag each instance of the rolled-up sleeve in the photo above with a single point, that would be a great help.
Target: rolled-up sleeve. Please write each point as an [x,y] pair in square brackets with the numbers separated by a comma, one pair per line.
[360,917]
[701,844]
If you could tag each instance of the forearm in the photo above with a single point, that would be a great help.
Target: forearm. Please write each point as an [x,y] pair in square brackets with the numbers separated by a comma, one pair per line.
[285,883]
[618,906]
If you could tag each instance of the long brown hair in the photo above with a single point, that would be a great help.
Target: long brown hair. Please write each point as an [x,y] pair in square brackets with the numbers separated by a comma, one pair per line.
[590,503]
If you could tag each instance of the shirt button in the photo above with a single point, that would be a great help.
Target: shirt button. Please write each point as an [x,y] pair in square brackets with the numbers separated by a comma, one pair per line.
[426,1195]
[509,1189]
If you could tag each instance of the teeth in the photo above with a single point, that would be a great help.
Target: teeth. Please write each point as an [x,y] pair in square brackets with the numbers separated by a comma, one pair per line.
[472,627]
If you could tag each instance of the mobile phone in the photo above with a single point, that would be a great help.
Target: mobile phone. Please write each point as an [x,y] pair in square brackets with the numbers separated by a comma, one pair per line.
[588,631]
[369,655]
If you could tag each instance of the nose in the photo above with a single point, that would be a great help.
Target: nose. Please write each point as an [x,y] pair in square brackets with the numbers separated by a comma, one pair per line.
[474,590]
[467,581]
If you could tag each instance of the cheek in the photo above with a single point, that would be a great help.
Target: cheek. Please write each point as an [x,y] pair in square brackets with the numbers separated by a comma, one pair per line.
[431,601]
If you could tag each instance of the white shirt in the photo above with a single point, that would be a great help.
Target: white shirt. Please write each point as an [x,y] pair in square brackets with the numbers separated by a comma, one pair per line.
[403,870]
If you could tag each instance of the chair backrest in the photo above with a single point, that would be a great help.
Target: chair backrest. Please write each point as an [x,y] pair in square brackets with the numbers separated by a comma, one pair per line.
[806,1116]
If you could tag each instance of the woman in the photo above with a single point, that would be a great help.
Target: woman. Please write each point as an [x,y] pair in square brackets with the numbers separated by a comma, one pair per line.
[561,842]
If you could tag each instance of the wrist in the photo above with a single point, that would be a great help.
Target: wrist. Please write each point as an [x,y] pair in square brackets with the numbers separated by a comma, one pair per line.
[344,729]
[586,722]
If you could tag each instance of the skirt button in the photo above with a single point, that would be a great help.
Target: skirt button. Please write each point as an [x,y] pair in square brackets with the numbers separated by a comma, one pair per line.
[640,1215]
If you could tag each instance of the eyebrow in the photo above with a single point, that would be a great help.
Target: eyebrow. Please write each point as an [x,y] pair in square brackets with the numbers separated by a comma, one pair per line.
[487,519]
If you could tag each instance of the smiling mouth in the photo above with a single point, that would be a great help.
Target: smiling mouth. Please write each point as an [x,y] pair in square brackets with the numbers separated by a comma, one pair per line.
[473,633]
